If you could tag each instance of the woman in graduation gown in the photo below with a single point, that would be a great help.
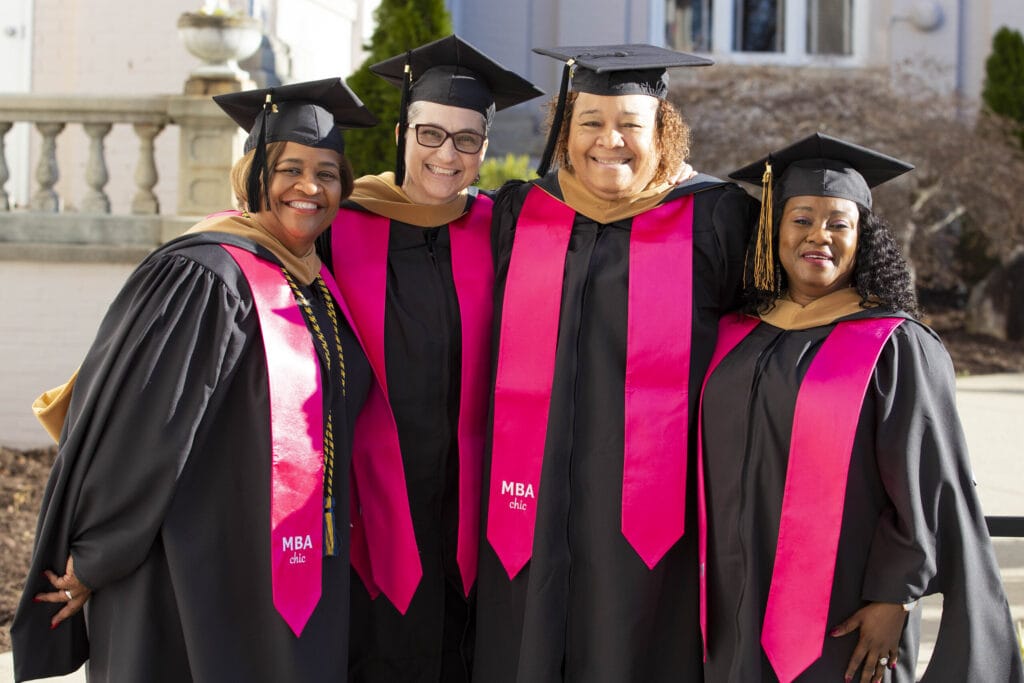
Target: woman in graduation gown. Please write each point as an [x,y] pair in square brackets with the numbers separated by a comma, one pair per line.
[411,252]
[610,283]
[199,497]
[838,485]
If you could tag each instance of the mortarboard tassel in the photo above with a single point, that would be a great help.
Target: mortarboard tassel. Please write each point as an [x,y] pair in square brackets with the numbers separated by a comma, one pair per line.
[403,120]
[764,256]
[254,189]
[556,123]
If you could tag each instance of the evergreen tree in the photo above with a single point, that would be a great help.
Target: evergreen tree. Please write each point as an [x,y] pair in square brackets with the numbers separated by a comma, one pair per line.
[400,25]
[1003,92]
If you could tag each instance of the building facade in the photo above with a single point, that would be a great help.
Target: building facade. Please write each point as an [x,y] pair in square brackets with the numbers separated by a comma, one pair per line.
[106,47]
[947,41]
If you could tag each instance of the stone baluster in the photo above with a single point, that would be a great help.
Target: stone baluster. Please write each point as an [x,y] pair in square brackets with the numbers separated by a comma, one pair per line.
[5,175]
[96,175]
[145,201]
[47,174]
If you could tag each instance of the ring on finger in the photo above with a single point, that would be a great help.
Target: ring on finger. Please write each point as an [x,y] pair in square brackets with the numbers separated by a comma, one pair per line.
[68,594]
[882,661]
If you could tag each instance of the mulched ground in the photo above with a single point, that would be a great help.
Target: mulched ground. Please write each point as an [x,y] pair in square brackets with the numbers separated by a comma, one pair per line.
[23,474]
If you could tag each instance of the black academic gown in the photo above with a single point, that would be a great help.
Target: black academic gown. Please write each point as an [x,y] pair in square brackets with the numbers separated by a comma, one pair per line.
[432,641]
[160,491]
[586,608]
[911,526]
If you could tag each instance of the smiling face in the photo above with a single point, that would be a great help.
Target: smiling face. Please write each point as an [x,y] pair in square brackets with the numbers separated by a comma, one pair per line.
[305,193]
[818,245]
[612,144]
[436,175]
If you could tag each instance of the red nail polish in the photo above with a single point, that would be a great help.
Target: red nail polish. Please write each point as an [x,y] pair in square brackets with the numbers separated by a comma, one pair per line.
[53,626]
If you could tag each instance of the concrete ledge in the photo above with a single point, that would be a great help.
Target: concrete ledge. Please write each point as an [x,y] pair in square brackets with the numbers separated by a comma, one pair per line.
[72,253]
[73,228]
[86,238]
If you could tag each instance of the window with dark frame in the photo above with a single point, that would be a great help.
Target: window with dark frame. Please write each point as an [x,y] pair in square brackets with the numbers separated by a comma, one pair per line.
[760,26]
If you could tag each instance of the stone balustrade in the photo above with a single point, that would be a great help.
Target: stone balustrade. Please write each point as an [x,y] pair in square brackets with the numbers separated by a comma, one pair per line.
[208,144]
[97,115]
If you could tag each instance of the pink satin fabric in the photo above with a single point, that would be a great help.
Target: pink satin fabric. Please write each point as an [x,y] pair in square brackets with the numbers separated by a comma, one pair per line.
[473,271]
[525,372]
[388,559]
[656,382]
[296,430]
[658,378]
[385,552]
[832,394]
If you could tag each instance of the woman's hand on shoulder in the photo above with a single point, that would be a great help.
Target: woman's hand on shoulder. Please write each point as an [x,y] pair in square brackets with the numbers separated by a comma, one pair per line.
[880,625]
[68,590]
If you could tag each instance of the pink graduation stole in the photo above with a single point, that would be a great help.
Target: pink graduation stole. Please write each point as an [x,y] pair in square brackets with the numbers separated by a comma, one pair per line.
[385,552]
[296,434]
[656,382]
[832,392]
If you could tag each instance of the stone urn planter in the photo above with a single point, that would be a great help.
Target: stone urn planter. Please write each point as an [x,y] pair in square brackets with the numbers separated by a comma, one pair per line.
[219,40]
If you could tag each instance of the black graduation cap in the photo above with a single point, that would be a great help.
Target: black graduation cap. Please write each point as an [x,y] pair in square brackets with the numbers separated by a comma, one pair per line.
[818,166]
[632,69]
[312,113]
[451,71]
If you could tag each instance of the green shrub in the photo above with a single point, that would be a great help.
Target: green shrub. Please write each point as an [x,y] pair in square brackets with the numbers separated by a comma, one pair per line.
[400,25]
[1003,92]
[494,172]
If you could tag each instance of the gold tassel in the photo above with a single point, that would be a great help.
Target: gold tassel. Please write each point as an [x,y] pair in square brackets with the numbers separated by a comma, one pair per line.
[329,527]
[764,256]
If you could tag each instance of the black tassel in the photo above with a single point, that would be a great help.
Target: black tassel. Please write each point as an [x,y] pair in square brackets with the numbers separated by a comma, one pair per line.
[556,123]
[258,171]
[403,121]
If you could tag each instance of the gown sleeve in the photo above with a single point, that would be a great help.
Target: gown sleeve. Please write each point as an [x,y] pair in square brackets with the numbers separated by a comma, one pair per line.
[931,537]
[148,387]
[734,217]
[166,347]
[508,201]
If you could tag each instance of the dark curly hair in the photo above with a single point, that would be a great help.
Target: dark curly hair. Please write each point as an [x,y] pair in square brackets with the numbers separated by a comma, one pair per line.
[880,273]
[672,137]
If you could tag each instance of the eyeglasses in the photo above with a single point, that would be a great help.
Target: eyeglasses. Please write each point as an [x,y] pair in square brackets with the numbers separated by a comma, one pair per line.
[465,141]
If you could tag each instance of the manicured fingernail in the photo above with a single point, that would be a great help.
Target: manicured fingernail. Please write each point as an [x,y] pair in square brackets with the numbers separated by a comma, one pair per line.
[36,600]
[834,632]
[53,626]
[847,678]
[892,665]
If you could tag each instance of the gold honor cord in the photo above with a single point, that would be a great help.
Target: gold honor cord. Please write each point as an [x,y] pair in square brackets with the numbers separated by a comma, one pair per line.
[329,526]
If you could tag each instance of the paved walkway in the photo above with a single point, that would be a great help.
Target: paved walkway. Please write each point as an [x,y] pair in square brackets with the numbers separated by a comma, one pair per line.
[992,411]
